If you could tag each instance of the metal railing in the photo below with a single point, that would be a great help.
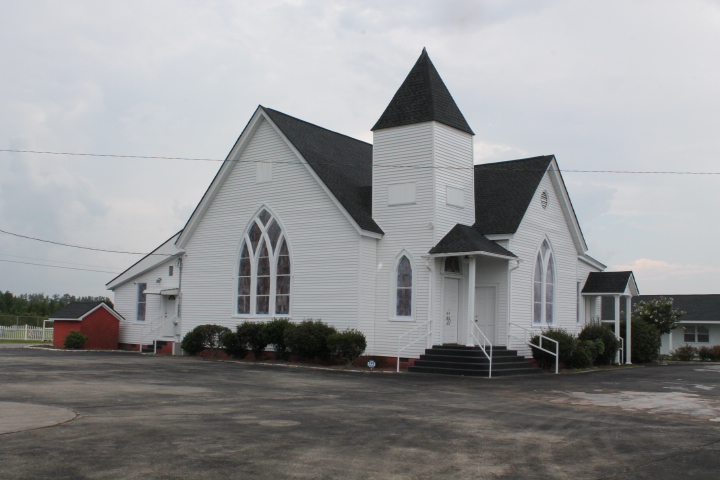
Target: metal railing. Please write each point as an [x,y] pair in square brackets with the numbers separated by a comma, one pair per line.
[427,334]
[621,351]
[162,324]
[26,332]
[485,342]
[542,337]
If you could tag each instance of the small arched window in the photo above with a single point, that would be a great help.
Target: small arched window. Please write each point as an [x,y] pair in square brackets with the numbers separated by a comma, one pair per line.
[544,286]
[404,288]
[264,269]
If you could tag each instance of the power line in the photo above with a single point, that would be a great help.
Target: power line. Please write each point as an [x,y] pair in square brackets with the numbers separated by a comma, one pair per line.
[79,246]
[54,261]
[56,266]
[500,168]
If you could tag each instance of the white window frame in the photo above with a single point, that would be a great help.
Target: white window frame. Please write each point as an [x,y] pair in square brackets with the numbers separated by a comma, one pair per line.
[394,289]
[695,333]
[273,255]
[545,262]
[138,293]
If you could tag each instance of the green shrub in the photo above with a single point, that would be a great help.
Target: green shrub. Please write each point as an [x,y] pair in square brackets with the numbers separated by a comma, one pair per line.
[347,346]
[566,344]
[232,346]
[308,339]
[715,353]
[75,340]
[274,333]
[597,331]
[686,353]
[709,354]
[251,335]
[585,353]
[202,337]
[646,340]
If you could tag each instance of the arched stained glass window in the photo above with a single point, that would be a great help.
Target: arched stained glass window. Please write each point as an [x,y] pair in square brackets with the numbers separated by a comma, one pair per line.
[404,288]
[544,286]
[264,269]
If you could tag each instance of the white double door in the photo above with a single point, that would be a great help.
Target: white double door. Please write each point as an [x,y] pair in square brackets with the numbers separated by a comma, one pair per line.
[455,327]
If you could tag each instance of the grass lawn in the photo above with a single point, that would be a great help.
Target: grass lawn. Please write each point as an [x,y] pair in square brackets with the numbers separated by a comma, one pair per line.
[22,341]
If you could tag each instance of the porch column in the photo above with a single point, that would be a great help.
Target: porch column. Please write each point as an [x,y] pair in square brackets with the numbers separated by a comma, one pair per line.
[628,331]
[618,359]
[471,301]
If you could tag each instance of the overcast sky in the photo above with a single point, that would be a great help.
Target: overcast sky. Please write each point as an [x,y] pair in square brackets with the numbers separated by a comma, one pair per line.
[612,85]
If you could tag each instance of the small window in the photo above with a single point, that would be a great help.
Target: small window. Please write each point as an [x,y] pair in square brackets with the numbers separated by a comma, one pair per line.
[697,335]
[452,265]
[544,199]
[404,288]
[141,301]
[170,271]
[544,286]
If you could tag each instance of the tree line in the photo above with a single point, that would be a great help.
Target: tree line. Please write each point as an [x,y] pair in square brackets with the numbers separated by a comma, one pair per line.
[39,304]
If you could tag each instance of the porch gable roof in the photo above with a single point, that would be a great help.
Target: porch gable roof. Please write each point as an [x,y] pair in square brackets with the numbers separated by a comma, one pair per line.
[466,239]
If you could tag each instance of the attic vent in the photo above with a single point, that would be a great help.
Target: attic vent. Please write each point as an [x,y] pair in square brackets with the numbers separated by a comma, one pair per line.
[544,199]
[401,194]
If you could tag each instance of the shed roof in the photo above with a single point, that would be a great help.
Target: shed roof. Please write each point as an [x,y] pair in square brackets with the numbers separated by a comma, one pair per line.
[422,97]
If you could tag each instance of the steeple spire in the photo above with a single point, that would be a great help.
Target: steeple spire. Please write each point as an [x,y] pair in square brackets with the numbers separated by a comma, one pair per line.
[423,97]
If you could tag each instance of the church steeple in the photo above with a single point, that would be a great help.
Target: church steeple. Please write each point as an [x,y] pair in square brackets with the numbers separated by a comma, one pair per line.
[423,97]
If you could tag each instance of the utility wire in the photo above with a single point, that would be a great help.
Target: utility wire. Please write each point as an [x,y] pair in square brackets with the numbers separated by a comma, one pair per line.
[54,261]
[499,168]
[56,266]
[79,246]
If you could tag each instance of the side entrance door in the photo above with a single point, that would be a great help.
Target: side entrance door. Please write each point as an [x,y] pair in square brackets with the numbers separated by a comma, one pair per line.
[485,312]
[451,289]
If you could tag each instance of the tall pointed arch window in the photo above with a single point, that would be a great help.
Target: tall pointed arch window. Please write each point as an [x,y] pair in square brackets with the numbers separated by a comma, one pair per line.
[544,286]
[264,269]
[404,288]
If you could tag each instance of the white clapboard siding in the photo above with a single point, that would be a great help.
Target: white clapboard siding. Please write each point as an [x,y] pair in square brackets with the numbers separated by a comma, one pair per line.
[324,246]
[538,224]
[126,296]
[583,269]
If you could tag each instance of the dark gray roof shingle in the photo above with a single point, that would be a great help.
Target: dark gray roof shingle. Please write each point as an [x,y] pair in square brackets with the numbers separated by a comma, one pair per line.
[606,282]
[423,97]
[463,238]
[696,307]
[74,310]
[344,164]
[503,192]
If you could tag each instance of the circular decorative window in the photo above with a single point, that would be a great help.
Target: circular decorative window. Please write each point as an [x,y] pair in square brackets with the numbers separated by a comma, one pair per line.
[544,199]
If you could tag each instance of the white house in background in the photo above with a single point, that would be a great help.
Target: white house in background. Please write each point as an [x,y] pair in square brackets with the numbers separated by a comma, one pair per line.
[406,240]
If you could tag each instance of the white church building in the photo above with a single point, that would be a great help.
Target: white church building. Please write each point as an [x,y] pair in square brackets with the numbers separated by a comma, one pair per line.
[405,239]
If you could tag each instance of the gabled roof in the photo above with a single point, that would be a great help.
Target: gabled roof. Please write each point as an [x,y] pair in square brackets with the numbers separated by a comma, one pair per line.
[466,239]
[79,310]
[503,191]
[344,164]
[161,254]
[696,307]
[423,97]
[610,282]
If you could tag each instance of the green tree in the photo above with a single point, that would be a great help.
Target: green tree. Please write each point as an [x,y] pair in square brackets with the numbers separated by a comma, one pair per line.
[658,312]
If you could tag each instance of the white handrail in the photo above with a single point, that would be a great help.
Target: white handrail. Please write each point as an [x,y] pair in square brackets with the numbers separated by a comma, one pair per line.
[619,356]
[556,353]
[485,342]
[429,332]
[158,323]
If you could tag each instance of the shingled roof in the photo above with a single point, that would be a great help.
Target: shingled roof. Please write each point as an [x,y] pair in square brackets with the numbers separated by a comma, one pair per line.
[344,164]
[503,192]
[696,307]
[423,97]
[607,282]
[465,239]
[76,310]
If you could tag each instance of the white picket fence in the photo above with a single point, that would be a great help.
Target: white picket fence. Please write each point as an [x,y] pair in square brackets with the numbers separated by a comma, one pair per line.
[26,332]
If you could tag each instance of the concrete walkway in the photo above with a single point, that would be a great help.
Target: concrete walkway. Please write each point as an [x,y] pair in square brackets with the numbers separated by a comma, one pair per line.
[143,417]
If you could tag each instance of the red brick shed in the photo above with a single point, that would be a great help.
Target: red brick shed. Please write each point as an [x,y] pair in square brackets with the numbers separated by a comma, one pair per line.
[97,321]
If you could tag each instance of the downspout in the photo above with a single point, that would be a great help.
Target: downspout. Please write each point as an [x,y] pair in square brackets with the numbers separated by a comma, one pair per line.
[509,296]
[178,308]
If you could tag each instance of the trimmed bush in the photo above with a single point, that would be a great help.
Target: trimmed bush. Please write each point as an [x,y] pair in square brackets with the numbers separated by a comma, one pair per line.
[585,353]
[566,344]
[597,331]
[75,340]
[251,335]
[274,333]
[646,340]
[347,346]
[308,339]
[202,337]
[686,353]
[232,346]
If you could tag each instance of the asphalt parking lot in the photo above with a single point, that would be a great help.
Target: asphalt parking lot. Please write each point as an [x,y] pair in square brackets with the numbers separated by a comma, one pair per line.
[68,415]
